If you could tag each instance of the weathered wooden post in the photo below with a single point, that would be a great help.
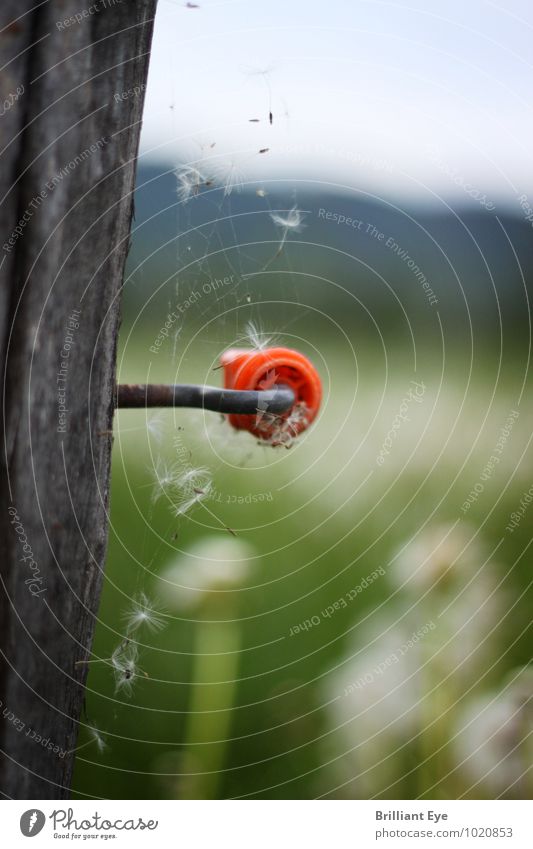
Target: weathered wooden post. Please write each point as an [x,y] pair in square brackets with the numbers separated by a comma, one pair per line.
[71,99]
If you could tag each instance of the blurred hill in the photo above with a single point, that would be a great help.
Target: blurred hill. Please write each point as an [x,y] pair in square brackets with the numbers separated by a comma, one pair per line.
[477,263]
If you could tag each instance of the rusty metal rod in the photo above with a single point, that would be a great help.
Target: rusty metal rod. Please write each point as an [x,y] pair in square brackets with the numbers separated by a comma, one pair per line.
[279,399]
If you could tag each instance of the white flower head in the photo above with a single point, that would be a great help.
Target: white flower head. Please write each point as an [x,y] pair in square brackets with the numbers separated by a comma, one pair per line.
[492,743]
[377,690]
[440,556]
[470,626]
[374,704]
[212,565]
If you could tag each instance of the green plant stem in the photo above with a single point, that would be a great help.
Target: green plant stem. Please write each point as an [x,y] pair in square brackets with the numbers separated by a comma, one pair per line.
[212,698]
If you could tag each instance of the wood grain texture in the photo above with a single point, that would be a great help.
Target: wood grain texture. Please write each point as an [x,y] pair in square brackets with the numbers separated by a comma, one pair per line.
[67,179]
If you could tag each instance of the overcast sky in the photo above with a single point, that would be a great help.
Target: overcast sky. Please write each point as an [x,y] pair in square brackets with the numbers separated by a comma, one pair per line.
[417,97]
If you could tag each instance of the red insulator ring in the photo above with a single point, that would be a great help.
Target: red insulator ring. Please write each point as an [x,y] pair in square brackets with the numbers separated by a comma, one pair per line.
[251,369]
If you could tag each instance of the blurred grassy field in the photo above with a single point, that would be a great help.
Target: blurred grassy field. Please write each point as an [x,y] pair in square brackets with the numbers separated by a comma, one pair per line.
[332,517]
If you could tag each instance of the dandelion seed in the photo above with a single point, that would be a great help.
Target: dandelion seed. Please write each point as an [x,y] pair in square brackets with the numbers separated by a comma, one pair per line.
[192,487]
[182,487]
[96,737]
[124,681]
[143,613]
[264,150]
[254,120]
[271,117]
[186,490]
[283,430]
[292,221]
[166,479]
[189,179]
[124,663]
[261,193]
[155,426]
[256,337]
[118,655]
[230,176]
[123,660]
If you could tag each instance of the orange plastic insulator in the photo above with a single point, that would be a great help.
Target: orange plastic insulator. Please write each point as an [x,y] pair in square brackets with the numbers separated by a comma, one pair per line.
[263,369]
